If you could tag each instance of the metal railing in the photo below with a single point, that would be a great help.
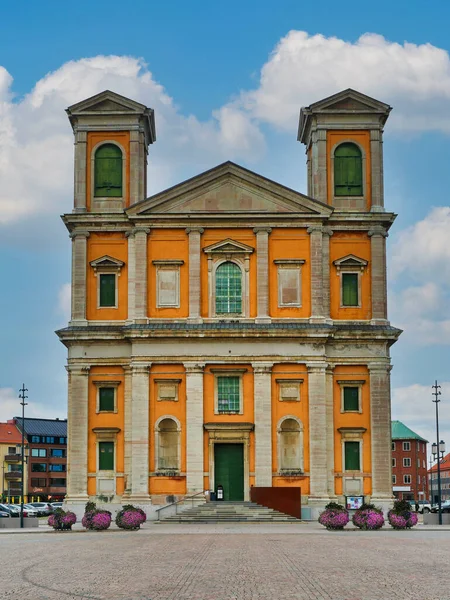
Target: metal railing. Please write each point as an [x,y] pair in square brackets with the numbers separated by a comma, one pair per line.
[173,506]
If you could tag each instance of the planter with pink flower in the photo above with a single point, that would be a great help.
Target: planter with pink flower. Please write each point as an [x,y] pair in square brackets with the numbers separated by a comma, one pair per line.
[62,520]
[401,516]
[95,518]
[130,517]
[335,516]
[368,517]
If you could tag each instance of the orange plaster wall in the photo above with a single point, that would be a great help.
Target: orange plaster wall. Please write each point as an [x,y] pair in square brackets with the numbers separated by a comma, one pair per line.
[110,373]
[212,236]
[342,373]
[94,138]
[168,244]
[158,409]
[342,244]
[285,409]
[116,246]
[289,243]
[362,138]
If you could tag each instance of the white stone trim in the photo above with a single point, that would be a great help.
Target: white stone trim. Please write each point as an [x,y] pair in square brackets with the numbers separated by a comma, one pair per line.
[363,166]
[291,383]
[301,469]
[107,265]
[172,266]
[355,383]
[157,432]
[161,382]
[105,384]
[350,264]
[115,202]
[292,265]
[228,373]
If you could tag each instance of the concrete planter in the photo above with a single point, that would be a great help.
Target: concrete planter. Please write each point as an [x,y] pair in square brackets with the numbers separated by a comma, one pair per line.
[14,522]
[433,519]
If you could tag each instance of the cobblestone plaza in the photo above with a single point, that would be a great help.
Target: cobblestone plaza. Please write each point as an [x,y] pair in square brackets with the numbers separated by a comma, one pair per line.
[232,562]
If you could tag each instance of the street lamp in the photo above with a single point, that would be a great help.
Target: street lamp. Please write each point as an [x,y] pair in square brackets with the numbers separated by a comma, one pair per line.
[22,396]
[438,447]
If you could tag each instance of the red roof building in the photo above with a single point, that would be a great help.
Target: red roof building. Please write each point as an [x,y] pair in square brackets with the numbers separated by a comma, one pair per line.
[10,462]
[445,480]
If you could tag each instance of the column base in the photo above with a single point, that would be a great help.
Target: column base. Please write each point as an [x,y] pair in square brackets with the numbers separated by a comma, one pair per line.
[263,319]
[317,505]
[139,499]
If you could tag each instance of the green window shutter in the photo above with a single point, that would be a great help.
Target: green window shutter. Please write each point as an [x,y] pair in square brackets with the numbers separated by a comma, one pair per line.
[106,399]
[350,289]
[351,398]
[108,171]
[348,175]
[228,394]
[352,458]
[228,289]
[107,289]
[106,456]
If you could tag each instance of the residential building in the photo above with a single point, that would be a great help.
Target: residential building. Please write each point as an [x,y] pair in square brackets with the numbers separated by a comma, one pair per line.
[445,480]
[409,463]
[47,459]
[229,330]
[11,463]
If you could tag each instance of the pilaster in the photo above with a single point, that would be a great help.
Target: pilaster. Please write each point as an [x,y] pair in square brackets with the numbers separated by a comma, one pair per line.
[127,431]
[378,237]
[80,164]
[319,174]
[317,289]
[376,153]
[134,167]
[327,233]
[318,433]
[131,275]
[140,269]
[262,383]
[194,234]
[79,276]
[194,427]
[262,272]
[329,399]
[139,431]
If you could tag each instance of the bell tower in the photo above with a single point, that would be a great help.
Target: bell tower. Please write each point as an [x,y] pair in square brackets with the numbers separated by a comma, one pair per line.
[112,136]
[343,135]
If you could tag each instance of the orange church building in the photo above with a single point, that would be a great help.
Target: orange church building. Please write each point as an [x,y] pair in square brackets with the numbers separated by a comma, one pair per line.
[228,330]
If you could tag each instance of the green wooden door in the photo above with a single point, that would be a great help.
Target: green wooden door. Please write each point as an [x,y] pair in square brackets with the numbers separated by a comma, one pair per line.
[229,470]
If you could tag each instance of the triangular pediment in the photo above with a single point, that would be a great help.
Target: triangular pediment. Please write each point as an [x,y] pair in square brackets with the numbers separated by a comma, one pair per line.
[228,246]
[230,190]
[106,102]
[350,261]
[349,100]
[107,263]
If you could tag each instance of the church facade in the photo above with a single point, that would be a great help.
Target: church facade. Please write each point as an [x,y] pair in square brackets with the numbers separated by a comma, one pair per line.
[229,330]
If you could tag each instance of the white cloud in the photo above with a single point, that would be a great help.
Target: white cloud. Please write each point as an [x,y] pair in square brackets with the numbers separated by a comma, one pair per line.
[10,407]
[64,301]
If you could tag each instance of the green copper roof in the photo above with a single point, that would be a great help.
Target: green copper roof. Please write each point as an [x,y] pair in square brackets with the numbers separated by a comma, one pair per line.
[401,432]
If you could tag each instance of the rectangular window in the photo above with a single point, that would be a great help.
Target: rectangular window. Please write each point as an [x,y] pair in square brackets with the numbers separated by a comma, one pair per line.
[167,285]
[423,464]
[57,453]
[289,286]
[352,457]
[394,462]
[106,399]
[14,468]
[418,462]
[350,289]
[36,439]
[406,478]
[38,467]
[407,446]
[107,292]
[228,394]
[406,462]
[11,450]
[57,482]
[40,452]
[62,440]
[106,456]
[57,468]
[49,439]
[351,399]
[393,446]
[38,482]
[394,479]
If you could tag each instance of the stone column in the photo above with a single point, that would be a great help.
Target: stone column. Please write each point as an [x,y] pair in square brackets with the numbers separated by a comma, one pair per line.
[262,272]
[315,234]
[319,168]
[194,234]
[79,276]
[127,431]
[262,383]
[330,431]
[380,425]
[318,437]
[141,274]
[376,153]
[194,427]
[77,434]
[134,167]
[80,164]
[327,233]
[139,431]
[131,275]
[378,237]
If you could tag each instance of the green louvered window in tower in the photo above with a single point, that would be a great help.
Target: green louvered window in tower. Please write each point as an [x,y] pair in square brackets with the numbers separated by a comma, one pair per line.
[350,289]
[348,174]
[108,171]
[107,292]
[352,456]
[106,456]
[228,394]
[351,398]
[228,289]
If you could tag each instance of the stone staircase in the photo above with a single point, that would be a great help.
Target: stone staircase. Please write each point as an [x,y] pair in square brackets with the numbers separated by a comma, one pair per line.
[230,512]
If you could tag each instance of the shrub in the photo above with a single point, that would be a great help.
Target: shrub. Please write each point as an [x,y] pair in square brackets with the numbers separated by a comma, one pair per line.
[62,520]
[335,516]
[130,517]
[95,518]
[401,516]
[368,517]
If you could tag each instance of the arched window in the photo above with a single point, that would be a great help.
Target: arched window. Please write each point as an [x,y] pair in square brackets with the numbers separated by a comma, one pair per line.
[168,445]
[108,171]
[291,446]
[228,289]
[348,175]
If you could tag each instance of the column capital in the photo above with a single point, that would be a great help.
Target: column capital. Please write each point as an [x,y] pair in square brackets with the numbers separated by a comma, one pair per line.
[262,230]
[262,367]
[141,229]
[190,230]
[79,233]
[194,367]
[317,367]
[78,369]
[381,367]
[315,229]
[378,230]
[327,231]
[138,368]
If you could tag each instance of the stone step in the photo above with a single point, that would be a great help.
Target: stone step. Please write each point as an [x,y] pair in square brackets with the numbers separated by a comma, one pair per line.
[229,512]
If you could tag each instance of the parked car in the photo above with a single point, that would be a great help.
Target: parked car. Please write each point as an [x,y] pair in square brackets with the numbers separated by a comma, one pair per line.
[11,512]
[3,514]
[27,512]
[445,507]
[32,512]
[43,508]
[55,505]
[424,506]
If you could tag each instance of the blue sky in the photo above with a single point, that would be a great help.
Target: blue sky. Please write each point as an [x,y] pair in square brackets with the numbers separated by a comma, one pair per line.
[226,82]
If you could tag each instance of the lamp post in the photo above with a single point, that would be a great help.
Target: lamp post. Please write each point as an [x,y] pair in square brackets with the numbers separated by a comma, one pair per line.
[22,396]
[431,481]
[438,446]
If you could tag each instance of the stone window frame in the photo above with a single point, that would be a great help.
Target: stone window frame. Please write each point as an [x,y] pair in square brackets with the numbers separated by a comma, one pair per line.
[364,176]
[350,264]
[292,264]
[405,459]
[156,456]
[393,446]
[107,265]
[356,383]
[103,383]
[235,252]
[352,434]
[394,462]
[239,372]
[105,434]
[104,201]
[394,479]
[289,382]
[406,446]
[168,265]
[405,477]
[289,472]
[161,382]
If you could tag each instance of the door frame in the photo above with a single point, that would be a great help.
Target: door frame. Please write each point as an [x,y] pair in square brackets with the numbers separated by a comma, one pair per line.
[230,433]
